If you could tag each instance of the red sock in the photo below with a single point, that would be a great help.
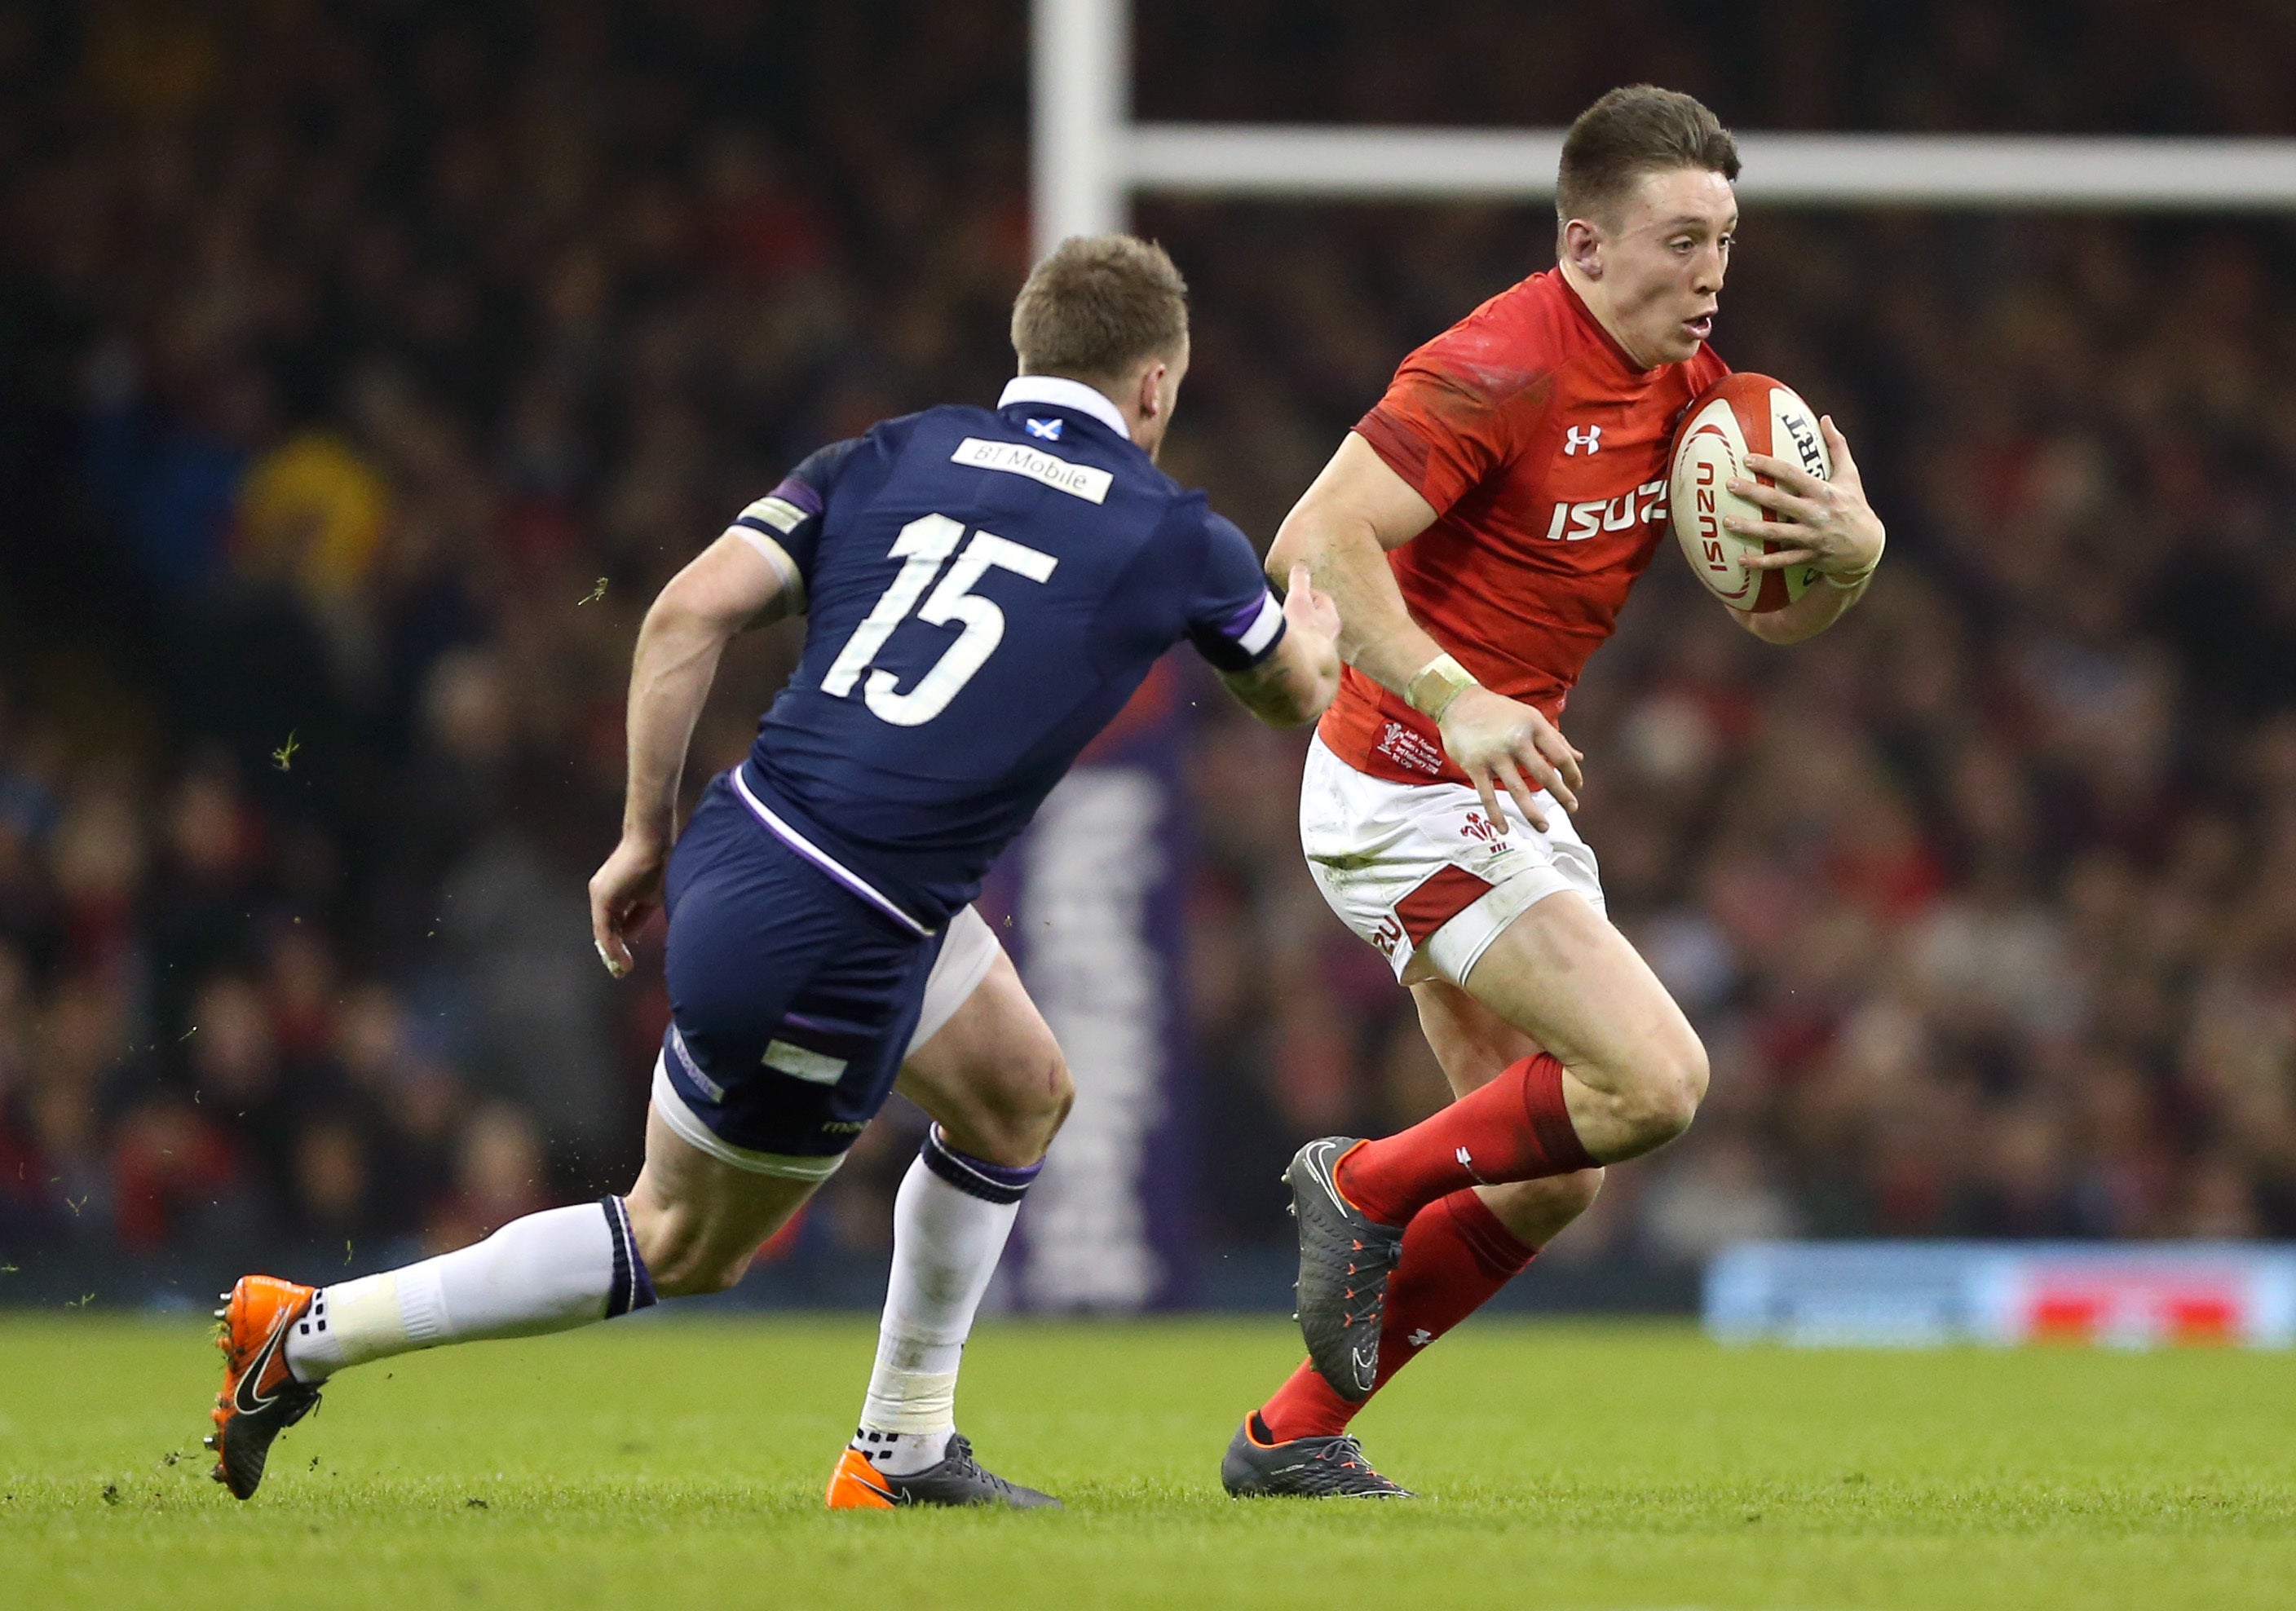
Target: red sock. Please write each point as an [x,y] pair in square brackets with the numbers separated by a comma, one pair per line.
[1515,1128]
[1455,1254]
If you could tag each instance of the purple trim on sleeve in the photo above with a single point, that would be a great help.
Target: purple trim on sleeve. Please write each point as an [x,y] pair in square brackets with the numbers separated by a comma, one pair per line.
[1243,620]
[804,494]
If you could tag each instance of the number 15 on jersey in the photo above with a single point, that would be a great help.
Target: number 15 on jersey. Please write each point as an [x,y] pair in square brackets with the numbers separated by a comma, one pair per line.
[922,546]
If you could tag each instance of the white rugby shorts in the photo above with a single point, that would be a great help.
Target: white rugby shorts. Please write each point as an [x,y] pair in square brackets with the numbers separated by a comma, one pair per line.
[967,955]
[1418,870]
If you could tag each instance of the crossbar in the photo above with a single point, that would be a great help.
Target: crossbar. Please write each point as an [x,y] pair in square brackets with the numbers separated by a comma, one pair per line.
[1090,160]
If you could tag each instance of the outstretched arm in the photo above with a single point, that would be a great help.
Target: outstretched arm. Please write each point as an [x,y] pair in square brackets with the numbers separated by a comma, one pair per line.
[1291,686]
[1341,530]
[740,581]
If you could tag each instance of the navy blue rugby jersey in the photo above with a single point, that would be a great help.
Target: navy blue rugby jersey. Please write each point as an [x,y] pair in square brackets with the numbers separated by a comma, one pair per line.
[984,589]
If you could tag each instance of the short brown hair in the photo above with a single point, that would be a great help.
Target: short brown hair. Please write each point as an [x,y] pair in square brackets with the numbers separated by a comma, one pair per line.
[1639,129]
[1097,306]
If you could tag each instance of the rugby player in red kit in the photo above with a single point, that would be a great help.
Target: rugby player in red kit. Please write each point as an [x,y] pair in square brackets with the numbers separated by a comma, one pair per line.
[1480,530]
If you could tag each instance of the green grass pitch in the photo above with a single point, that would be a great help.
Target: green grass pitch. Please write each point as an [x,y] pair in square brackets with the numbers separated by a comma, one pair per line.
[680,1462]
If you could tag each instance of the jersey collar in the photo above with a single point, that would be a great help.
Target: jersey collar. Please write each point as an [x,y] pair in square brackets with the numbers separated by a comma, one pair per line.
[1061,392]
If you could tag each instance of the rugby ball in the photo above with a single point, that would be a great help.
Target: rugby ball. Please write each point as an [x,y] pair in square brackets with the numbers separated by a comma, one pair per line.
[1742,415]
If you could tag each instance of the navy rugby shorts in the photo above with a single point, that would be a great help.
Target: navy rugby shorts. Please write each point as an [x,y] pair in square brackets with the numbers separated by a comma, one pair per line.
[792,997]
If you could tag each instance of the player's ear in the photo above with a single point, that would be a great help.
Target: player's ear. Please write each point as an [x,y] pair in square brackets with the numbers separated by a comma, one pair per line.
[1582,248]
[1150,398]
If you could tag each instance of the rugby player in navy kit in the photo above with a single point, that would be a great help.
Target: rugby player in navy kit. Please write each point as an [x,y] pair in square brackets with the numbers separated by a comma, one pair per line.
[984,589]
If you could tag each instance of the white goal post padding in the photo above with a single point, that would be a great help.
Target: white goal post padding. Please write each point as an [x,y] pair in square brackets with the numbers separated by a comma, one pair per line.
[1089,159]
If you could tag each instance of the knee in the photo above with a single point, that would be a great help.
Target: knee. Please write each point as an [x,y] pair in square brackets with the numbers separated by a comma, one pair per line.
[1663,1096]
[1574,1194]
[681,1261]
[1012,1118]
[695,1276]
[1056,1093]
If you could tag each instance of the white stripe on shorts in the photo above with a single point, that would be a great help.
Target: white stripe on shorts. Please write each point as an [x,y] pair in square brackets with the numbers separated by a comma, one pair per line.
[821,858]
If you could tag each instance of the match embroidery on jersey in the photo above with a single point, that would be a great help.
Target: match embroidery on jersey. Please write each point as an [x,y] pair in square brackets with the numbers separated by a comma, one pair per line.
[1408,750]
[1077,480]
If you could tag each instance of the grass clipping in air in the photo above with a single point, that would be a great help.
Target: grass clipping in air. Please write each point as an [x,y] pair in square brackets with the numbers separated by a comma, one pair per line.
[683,1462]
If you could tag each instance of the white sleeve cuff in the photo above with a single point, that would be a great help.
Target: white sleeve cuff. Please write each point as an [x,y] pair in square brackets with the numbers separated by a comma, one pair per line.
[1263,627]
[792,593]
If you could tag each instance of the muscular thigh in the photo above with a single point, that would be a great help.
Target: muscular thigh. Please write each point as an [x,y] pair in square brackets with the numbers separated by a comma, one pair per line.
[792,999]
[1561,976]
[699,1219]
[1473,1043]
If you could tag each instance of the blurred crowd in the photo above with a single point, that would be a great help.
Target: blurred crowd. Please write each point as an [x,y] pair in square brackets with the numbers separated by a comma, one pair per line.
[367,368]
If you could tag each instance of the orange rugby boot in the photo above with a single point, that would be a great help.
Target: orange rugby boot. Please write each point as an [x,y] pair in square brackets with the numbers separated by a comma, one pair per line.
[956,1479]
[854,1484]
[260,1397]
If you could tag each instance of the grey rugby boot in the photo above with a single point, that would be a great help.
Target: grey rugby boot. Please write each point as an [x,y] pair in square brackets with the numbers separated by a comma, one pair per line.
[1345,1258]
[1305,1467]
[956,1479]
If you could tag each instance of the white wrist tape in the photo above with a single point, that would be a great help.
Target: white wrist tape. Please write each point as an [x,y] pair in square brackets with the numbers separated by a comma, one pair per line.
[1434,685]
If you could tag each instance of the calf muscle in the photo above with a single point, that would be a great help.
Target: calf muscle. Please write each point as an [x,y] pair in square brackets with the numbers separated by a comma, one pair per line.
[1475,1046]
[698,1220]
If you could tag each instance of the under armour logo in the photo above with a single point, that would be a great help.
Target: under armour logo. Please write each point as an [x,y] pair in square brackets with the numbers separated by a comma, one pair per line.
[1586,439]
[1050,430]
[1421,1337]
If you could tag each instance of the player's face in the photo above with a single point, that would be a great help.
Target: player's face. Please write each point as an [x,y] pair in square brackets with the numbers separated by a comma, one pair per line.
[1663,263]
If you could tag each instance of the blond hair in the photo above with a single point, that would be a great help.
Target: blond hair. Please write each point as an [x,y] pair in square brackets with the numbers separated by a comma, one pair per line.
[1097,306]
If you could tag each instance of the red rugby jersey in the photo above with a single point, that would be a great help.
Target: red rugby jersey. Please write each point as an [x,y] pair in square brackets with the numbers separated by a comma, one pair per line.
[1543,453]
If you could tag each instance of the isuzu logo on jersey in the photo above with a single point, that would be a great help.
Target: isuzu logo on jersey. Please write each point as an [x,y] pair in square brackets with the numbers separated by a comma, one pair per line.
[1627,510]
[1582,438]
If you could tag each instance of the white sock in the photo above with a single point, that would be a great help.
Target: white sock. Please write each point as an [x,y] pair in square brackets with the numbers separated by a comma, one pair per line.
[549,1271]
[950,1223]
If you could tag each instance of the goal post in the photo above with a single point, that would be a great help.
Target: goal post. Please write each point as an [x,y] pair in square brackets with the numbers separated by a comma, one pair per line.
[1090,160]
